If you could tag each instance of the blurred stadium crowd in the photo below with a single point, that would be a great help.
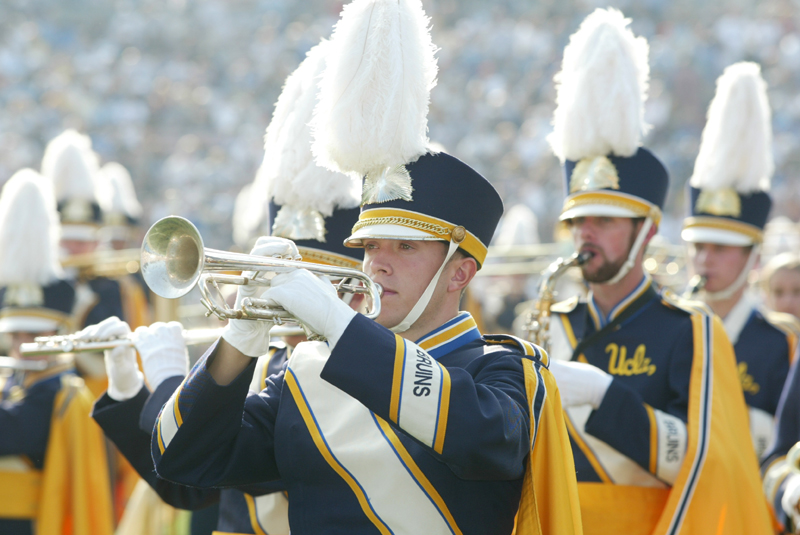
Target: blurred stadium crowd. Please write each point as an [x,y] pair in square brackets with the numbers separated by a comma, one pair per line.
[180,91]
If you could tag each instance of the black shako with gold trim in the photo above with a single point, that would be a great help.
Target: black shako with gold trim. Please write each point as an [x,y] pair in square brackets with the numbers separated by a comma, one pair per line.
[34,308]
[634,186]
[447,193]
[728,210]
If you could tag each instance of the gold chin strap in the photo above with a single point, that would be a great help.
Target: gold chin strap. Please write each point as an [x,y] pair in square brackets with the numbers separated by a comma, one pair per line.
[456,237]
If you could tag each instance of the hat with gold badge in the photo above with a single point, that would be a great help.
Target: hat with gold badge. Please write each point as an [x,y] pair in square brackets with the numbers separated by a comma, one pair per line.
[599,124]
[371,122]
[729,190]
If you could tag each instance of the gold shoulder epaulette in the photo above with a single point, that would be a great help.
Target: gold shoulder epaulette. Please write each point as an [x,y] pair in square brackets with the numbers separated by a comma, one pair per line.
[566,306]
[689,306]
[527,348]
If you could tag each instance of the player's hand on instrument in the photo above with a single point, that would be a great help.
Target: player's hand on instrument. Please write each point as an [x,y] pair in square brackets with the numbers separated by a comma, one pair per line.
[163,351]
[791,499]
[124,378]
[313,300]
[580,383]
[251,337]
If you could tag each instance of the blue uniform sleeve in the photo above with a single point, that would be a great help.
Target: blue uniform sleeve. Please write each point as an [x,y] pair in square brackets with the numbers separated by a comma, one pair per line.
[653,438]
[25,423]
[209,435]
[119,421]
[774,468]
[475,420]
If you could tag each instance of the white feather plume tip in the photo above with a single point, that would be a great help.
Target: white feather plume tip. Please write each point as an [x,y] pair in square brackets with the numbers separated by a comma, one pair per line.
[71,164]
[121,195]
[375,92]
[29,231]
[292,176]
[601,90]
[736,146]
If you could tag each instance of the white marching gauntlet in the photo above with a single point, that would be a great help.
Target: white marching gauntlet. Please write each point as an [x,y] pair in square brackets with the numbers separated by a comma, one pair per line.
[251,337]
[313,301]
[163,351]
[124,378]
[580,383]
[790,499]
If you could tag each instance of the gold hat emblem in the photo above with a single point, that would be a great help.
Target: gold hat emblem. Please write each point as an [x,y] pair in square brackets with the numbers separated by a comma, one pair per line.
[594,173]
[720,202]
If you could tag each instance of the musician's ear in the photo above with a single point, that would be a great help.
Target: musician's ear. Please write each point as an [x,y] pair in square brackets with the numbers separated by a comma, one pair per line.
[463,268]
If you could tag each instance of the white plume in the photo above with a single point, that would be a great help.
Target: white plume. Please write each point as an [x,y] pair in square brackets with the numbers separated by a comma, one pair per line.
[116,180]
[289,172]
[601,90]
[71,164]
[519,226]
[375,92]
[29,231]
[736,147]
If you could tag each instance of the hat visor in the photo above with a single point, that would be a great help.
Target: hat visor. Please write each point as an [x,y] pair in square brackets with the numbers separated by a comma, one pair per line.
[388,232]
[27,324]
[596,210]
[715,235]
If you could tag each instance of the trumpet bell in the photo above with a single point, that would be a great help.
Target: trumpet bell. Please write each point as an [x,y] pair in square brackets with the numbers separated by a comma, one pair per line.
[172,257]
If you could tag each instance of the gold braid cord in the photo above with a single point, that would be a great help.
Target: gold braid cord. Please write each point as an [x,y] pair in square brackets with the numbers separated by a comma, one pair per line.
[403,221]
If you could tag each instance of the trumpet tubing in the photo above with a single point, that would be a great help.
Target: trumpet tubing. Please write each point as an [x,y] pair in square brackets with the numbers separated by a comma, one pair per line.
[174,260]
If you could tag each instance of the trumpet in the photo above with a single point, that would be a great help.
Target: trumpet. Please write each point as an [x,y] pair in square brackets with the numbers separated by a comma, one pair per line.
[71,343]
[174,260]
[107,263]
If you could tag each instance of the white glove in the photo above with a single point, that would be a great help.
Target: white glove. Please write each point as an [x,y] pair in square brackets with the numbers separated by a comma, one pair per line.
[248,336]
[124,378]
[579,383]
[313,301]
[790,498]
[163,351]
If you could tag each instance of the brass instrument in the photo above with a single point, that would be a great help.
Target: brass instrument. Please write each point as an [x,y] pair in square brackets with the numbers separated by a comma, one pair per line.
[696,285]
[793,458]
[71,343]
[174,260]
[537,322]
[106,263]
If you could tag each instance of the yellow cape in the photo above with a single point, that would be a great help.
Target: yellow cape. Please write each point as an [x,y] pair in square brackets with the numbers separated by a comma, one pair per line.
[549,503]
[76,494]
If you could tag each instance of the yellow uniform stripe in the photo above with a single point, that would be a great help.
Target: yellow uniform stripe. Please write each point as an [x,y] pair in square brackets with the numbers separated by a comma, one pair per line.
[326,453]
[653,439]
[397,377]
[418,475]
[444,409]
[601,472]
[251,510]
[177,410]
[448,334]
[158,434]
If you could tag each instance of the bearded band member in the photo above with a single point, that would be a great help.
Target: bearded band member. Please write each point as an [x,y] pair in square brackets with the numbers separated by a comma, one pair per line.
[648,381]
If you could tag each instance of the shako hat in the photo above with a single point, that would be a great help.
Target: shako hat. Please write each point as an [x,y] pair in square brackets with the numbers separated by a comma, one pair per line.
[33,295]
[371,122]
[599,123]
[72,165]
[729,189]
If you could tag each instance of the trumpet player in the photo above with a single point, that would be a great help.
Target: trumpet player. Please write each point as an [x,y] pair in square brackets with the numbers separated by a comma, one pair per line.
[53,470]
[413,423]
[730,202]
[640,371]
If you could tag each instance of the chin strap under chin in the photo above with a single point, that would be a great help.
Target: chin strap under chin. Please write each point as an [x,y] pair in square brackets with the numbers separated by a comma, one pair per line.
[425,298]
[634,252]
[738,283]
